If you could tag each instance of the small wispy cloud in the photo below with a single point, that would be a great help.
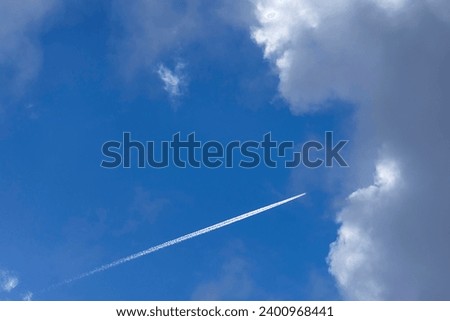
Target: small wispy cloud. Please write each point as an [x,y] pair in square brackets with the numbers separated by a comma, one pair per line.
[234,283]
[20,52]
[28,296]
[144,209]
[8,281]
[234,280]
[174,81]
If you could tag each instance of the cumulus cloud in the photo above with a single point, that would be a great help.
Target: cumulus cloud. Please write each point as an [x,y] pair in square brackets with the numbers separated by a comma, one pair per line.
[20,56]
[8,281]
[356,259]
[174,80]
[391,58]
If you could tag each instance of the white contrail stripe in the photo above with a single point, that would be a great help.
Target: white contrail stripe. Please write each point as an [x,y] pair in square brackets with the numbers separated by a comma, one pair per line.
[178,240]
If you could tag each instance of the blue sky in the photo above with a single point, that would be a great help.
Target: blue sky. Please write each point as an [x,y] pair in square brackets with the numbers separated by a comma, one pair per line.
[75,75]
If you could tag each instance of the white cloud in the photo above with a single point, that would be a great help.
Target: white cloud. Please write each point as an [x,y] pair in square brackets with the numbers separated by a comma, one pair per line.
[174,81]
[392,60]
[8,281]
[28,296]
[154,29]
[356,258]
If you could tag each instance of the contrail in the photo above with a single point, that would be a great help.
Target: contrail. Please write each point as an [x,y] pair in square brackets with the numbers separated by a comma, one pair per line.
[177,240]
